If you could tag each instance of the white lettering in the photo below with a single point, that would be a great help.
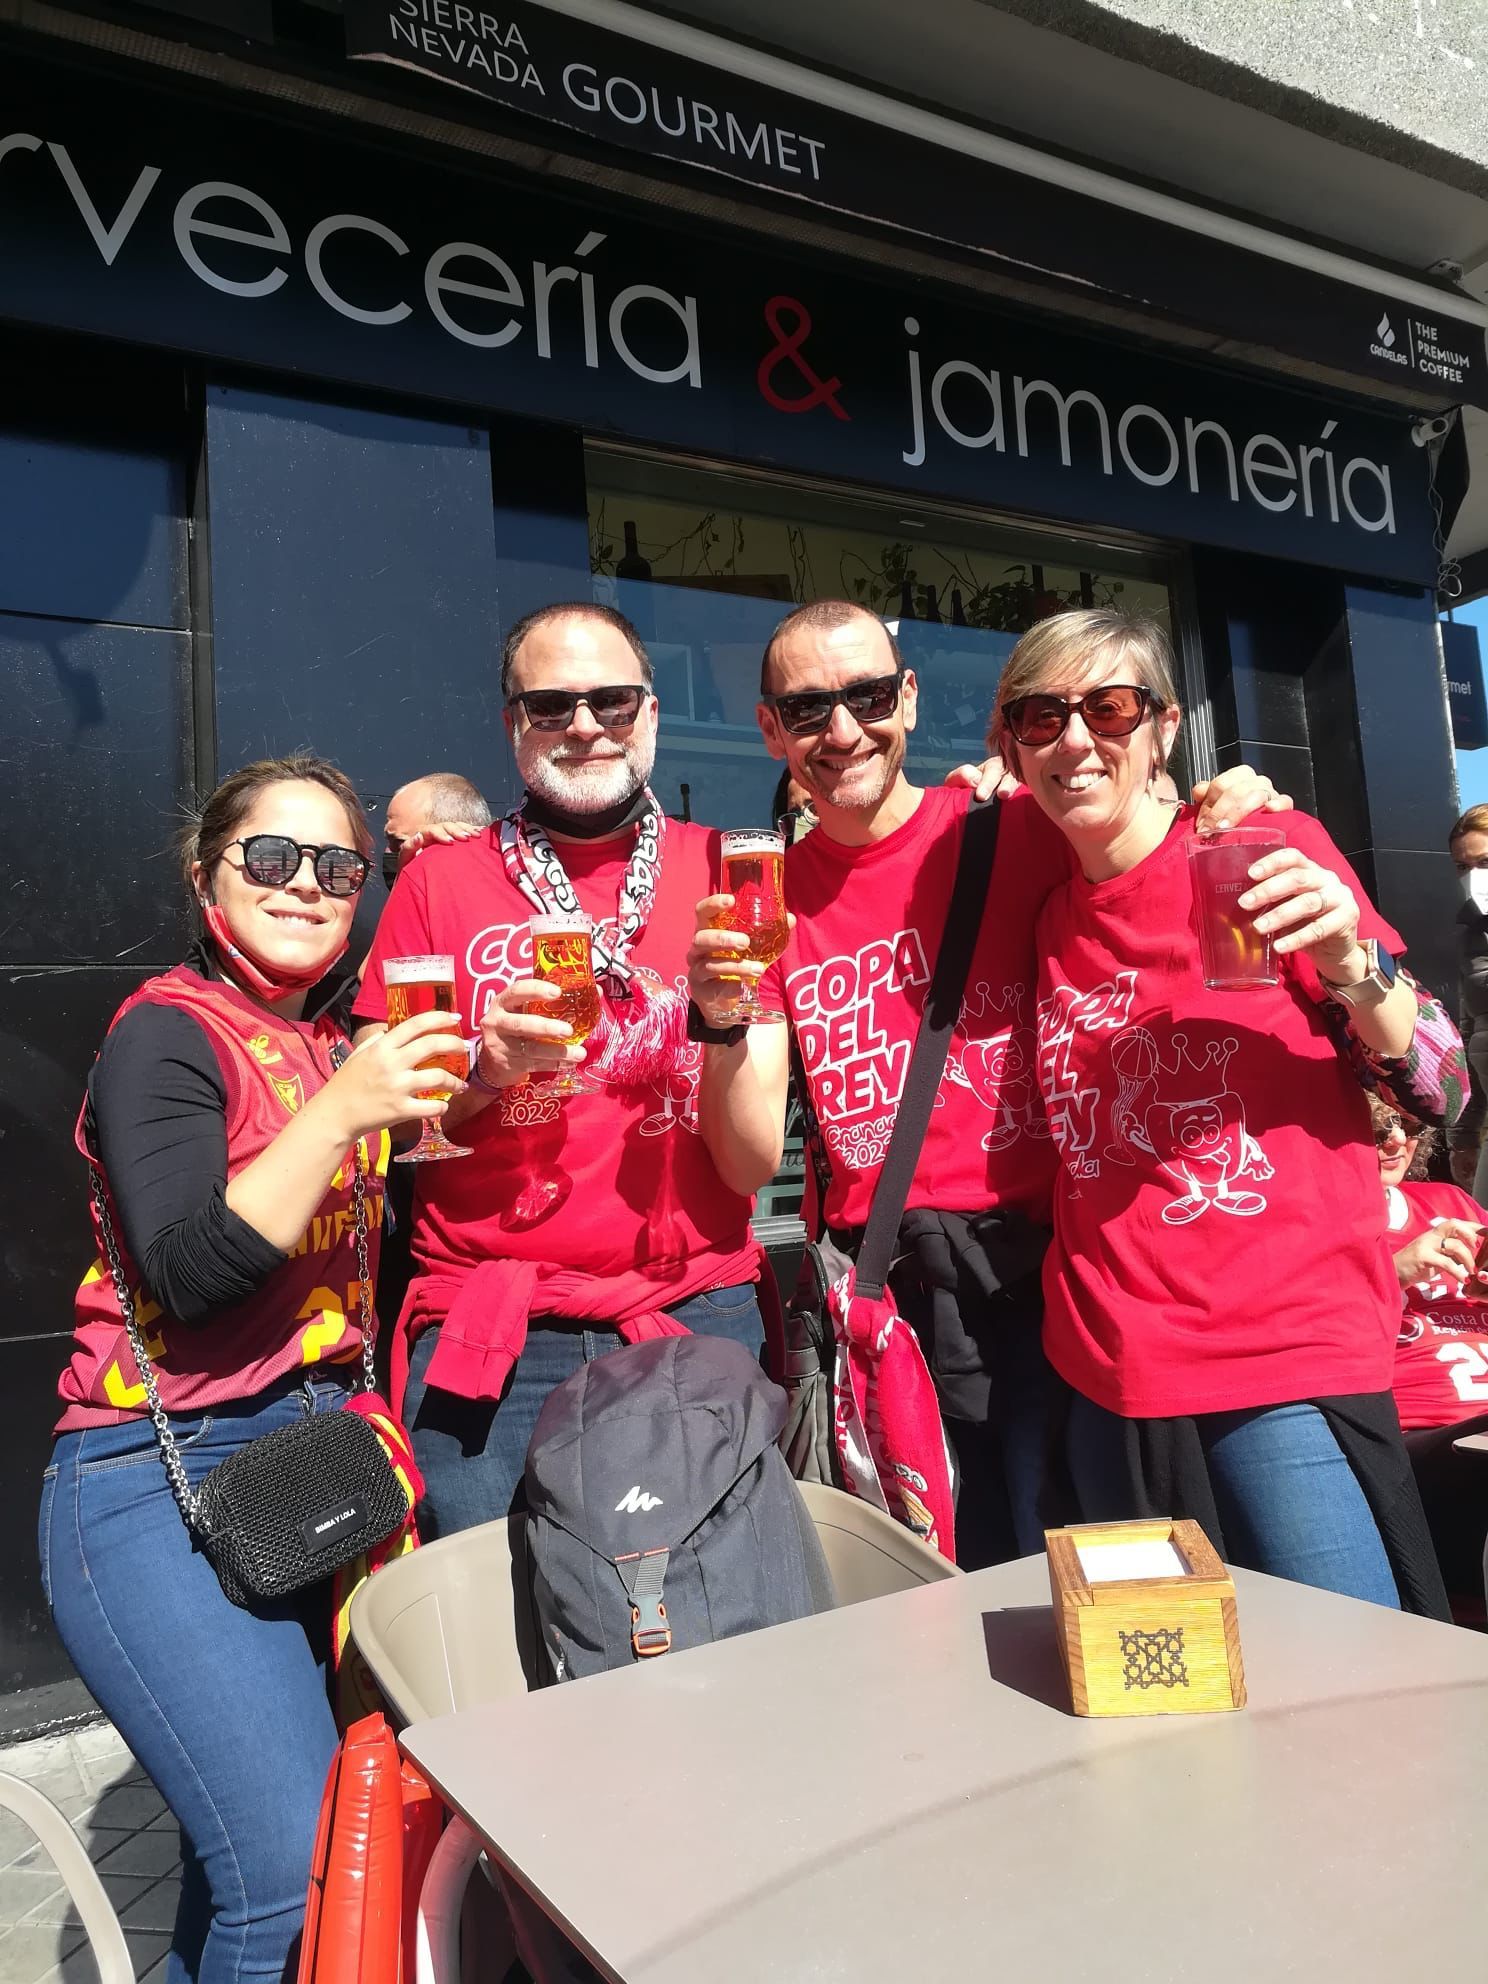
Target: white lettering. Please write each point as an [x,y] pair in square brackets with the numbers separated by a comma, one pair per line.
[688,366]
[1285,468]
[351,223]
[1023,392]
[1123,428]
[187,227]
[437,285]
[1386,519]
[109,240]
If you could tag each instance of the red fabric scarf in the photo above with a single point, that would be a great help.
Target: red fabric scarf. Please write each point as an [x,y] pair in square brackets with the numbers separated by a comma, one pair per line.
[356,1692]
[886,1417]
[485,1313]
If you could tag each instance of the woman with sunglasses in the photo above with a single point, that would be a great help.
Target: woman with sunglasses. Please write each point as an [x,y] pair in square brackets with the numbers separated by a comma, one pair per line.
[1216,1296]
[232,1134]
[1436,1232]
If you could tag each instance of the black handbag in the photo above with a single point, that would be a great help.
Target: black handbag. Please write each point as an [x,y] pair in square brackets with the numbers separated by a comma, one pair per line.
[291,1507]
[808,1441]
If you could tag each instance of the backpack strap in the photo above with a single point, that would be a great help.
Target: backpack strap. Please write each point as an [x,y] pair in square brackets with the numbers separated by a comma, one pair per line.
[644,1577]
[932,1044]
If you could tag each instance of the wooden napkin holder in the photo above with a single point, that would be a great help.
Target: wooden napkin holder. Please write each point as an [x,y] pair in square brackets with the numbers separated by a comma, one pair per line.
[1144,1645]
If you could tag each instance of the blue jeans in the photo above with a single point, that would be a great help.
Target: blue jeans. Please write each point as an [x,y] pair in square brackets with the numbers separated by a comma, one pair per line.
[1287,1498]
[473,1453]
[225,1708]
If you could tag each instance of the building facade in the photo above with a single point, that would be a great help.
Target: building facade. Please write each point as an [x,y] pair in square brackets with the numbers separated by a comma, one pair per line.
[318,373]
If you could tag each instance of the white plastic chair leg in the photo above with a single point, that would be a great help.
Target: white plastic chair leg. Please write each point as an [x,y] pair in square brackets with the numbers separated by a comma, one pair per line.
[437,1958]
[89,1897]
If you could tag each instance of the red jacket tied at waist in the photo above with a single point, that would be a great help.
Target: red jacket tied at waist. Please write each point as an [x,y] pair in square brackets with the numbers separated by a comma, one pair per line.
[484,1315]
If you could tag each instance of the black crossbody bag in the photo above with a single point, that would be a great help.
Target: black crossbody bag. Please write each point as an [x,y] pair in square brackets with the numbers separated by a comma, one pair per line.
[292,1506]
[810,1340]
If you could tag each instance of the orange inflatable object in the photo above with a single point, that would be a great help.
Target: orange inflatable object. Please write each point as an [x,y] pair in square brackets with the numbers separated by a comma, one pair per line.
[379,1824]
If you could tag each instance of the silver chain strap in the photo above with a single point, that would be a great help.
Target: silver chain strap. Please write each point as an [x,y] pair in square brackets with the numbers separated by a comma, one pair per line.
[170,1454]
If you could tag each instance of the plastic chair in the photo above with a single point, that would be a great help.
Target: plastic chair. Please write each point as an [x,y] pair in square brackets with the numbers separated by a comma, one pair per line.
[84,1887]
[452,1625]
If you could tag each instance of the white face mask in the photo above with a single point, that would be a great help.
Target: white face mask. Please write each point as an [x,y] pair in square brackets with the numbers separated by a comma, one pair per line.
[1477,889]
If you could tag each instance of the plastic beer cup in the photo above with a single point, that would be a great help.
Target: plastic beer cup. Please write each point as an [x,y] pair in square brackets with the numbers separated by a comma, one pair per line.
[1237,956]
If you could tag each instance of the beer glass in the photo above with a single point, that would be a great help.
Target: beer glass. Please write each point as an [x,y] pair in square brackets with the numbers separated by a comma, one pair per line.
[754,875]
[562,955]
[1237,956]
[427,985]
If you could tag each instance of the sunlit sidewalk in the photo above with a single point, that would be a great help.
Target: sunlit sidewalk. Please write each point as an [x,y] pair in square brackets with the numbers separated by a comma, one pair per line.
[130,1837]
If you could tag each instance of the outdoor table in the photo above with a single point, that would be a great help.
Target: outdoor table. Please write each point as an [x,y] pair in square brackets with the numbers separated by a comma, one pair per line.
[899,1790]
[1472,1443]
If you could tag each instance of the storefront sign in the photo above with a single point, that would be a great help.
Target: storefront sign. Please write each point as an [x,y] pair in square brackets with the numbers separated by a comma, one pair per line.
[1462,653]
[171,226]
[614,83]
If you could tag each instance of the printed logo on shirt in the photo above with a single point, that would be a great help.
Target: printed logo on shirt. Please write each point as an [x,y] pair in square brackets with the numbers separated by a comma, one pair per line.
[999,1068]
[857,1072]
[678,1091]
[1175,1105]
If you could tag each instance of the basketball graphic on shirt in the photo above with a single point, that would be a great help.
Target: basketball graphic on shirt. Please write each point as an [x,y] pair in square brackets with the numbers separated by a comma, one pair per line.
[1184,1113]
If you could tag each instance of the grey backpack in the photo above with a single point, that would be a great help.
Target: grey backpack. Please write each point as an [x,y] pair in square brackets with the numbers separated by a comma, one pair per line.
[661,1514]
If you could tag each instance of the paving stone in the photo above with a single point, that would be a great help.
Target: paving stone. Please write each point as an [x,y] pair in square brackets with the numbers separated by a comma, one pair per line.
[121,1889]
[155,1908]
[35,1759]
[25,1889]
[143,1853]
[131,1807]
[101,1840]
[27,1954]
[79,1968]
[100,1741]
[146,1949]
[16,1838]
[166,1819]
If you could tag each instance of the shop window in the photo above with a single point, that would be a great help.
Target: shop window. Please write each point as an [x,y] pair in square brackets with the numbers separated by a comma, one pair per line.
[708,563]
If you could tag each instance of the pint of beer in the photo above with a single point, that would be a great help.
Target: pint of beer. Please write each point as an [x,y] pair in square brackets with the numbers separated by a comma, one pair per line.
[562,955]
[427,985]
[424,985]
[754,875]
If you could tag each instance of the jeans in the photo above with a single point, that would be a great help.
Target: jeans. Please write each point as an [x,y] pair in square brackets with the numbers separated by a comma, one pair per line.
[1289,1502]
[225,1708]
[473,1453]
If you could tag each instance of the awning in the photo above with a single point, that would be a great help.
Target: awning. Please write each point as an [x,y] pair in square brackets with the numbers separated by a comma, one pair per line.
[676,93]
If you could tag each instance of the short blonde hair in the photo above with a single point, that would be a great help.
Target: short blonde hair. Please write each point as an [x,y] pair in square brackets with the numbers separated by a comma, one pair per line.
[1076,643]
[1473,821]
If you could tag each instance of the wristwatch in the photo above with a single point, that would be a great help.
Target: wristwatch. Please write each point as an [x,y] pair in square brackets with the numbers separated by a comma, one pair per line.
[1376,984]
[699,1027]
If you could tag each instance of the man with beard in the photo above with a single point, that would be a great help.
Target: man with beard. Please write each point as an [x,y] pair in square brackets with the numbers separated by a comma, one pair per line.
[870,889]
[579,1224]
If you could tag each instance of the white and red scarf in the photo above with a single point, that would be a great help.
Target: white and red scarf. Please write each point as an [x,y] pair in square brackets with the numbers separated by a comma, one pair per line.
[886,1418]
[644,1027]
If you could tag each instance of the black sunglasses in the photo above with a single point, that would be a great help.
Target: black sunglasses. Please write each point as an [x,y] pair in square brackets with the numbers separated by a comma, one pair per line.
[1113,712]
[1386,1126]
[555,709]
[804,711]
[273,861]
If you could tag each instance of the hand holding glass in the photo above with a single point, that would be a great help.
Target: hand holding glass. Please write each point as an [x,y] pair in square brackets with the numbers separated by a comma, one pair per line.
[1237,956]
[426,985]
[754,875]
[562,955]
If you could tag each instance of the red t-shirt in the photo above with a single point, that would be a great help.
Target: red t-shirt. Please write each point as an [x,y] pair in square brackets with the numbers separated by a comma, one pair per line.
[635,1186]
[854,981]
[308,1311]
[1441,1357]
[1218,1211]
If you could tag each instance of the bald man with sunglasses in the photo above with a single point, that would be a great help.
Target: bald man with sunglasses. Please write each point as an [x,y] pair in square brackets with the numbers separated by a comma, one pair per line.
[869,891]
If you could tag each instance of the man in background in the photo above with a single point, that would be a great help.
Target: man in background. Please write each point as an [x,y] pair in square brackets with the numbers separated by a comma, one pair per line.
[440,806]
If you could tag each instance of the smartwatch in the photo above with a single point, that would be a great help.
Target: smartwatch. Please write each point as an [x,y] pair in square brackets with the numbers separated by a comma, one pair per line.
[1374,987]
